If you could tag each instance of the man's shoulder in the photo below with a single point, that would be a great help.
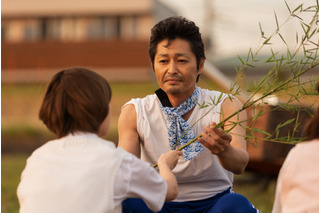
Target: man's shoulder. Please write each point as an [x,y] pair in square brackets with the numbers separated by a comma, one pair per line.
[146,99]
[147,102]
[208,91]
[205,93]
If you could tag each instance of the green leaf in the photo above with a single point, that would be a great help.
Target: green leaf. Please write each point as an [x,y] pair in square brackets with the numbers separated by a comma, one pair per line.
[261,31]
[277,132]
[282,39]
[267,41]
[277,23]
[287,122]
[220,97]
[261,131]
[287,6]
[242,62]
[299,7]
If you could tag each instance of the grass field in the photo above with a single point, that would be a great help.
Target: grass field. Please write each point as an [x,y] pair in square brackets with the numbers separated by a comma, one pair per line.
[22,132]
[11,168]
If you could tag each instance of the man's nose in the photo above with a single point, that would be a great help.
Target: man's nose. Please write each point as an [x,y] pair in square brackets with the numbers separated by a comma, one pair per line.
[172,69]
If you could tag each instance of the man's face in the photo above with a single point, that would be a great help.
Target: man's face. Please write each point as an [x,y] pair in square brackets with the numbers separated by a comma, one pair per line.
[175,66]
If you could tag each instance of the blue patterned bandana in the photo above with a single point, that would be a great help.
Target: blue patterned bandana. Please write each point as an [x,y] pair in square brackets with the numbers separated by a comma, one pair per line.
[179,128]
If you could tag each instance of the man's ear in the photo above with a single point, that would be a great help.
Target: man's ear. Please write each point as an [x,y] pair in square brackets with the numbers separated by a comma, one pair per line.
[201,65]
[152,66]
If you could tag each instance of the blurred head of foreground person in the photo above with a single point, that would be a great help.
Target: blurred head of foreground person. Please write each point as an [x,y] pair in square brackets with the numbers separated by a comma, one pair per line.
[170,118]
[298,181]
[80,171]
[76,100]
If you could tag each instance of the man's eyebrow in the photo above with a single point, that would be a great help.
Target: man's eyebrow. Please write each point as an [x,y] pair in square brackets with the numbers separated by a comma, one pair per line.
[176,54]
[162,55]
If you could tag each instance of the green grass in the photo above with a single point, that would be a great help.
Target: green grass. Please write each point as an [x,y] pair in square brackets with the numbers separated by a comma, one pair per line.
[259,190]
[11,168]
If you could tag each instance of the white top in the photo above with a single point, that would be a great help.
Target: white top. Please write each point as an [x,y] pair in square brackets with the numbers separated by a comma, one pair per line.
[199,178]
[84,173]
[298,182]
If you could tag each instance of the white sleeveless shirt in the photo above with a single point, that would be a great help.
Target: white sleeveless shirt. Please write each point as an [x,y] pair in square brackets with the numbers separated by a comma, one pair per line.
[199,178]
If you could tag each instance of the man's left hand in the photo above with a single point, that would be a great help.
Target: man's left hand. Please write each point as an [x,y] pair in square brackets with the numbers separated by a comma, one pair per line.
[215,139]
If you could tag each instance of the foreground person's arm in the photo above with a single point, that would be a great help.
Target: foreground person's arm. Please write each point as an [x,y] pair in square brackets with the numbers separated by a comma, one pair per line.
[166,163]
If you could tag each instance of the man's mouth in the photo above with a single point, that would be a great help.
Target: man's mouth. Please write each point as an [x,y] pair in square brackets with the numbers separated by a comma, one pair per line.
[172,80]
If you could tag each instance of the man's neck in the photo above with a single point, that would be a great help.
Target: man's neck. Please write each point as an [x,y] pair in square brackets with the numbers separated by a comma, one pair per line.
[176,100]
[172,100]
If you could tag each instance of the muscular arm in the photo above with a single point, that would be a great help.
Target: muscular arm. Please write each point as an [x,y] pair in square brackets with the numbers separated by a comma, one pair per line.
[127,130]
[129,140]
[230,148]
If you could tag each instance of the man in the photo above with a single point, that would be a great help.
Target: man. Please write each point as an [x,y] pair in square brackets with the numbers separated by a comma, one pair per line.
[174,115]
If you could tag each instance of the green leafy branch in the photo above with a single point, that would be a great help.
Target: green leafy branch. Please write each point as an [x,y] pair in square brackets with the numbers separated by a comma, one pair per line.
[271,84]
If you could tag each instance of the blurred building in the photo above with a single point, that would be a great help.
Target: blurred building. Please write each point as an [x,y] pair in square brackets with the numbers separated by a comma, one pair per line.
[109,36]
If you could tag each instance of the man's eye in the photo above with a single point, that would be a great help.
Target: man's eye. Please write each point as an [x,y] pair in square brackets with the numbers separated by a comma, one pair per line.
[163,61]
[182,61]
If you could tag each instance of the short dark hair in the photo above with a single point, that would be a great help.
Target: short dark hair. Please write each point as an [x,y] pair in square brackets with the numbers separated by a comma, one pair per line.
[177,27]
[76,99]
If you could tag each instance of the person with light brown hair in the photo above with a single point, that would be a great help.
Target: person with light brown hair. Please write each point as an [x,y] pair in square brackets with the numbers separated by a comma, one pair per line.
[79,171]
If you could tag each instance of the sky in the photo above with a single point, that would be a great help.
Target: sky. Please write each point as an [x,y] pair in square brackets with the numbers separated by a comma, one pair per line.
[234,27]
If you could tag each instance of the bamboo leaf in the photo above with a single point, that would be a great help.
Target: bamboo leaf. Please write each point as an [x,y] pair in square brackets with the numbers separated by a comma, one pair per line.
[261,31]
[250,65]
[242,62]
[270,59]
[267,41]
[287,122]
[277,132]
[287,6]
[282,38]
[261,131]
[220,97]
[299,7]
[277,23]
